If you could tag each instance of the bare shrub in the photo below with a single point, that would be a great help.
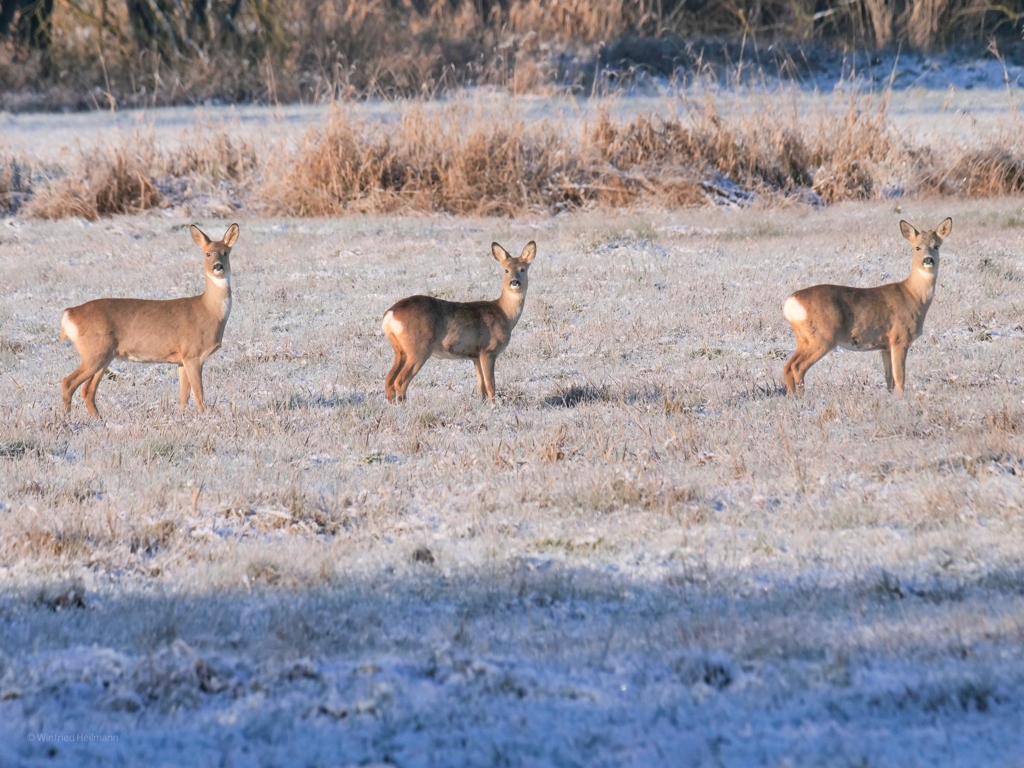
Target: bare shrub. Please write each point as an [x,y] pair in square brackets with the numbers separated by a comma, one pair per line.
[15,184]
[429,164]
[978,172]
[110,182]
[141,176]
[213,157]
[459,164]
[457,161]
[847,151]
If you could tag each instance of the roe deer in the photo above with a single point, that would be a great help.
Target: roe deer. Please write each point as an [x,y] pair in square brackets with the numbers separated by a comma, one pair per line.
[886,317]
[180,331]
[421,326]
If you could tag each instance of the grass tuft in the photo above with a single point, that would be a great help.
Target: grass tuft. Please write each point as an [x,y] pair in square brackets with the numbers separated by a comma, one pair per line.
[116,181]
[460,162]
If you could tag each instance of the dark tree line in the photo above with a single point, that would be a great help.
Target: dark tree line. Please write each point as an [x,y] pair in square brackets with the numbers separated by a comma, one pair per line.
[178,27]
[172,26]
[186,27]
[28,22]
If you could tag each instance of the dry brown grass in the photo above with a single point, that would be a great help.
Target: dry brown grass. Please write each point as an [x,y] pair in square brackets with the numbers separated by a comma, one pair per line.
[214,157]
[428,164]
[138,176]
[510,167]
[991,171]
[117,180]
[461,159]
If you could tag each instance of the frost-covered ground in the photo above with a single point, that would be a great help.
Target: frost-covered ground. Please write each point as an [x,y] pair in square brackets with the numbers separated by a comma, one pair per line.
[974,114]
[643,555]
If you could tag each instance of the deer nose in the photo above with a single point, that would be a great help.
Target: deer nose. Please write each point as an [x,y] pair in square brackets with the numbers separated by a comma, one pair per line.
[514,283]
[928,261]
[218,267]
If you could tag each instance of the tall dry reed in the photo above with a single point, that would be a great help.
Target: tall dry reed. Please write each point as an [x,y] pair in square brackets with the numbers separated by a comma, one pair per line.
[457,161]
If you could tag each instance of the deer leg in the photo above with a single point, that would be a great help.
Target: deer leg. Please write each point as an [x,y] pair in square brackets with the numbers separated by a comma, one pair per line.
[899,366]
[480,378]
[89,392]
[807,359]
[69,385]
[409,370]
[194,371]
[788,373]
[81,374]
[487,369]
[887,365]
[184,388]
[389,380]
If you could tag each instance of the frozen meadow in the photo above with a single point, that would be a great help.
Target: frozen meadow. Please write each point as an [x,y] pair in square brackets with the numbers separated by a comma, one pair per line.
[643,554]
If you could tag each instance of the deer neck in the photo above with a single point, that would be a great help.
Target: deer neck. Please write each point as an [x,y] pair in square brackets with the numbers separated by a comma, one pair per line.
[511,305]
[921,287]
[217,296]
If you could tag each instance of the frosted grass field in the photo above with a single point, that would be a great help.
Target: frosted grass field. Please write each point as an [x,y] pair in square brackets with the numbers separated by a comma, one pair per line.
[643,554]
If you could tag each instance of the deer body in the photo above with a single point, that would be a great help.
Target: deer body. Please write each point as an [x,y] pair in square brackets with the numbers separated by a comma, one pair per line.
[886,318]
[184,331]
[419,327]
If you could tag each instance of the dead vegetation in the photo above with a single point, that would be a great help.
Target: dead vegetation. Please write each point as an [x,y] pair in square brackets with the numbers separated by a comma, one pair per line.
[15,184]
[138,176]
[996,169]
[113,182]
[97,54]
[461,161]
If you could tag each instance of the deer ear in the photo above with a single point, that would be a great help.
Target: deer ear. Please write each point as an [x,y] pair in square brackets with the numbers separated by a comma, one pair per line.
[499,253]
[944,228]
[199,236]
[231,236]
[908,230]
[529,252]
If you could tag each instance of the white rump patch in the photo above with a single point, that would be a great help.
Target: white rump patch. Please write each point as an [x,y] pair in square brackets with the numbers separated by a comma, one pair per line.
[392,324]
[68,326]
[794,311]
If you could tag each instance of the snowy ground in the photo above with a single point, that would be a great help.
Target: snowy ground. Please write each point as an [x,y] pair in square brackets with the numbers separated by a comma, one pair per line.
[642,555]
[928,115]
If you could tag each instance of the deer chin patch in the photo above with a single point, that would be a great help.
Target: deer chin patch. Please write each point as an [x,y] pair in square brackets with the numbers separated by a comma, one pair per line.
[221,280]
